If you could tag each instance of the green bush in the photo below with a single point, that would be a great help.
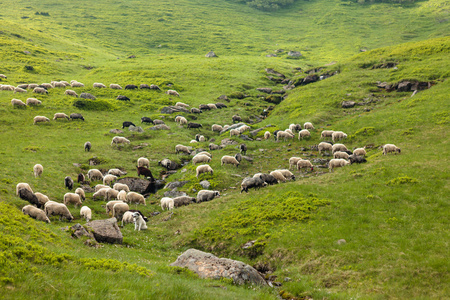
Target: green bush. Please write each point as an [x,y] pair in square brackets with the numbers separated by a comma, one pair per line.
[87,104]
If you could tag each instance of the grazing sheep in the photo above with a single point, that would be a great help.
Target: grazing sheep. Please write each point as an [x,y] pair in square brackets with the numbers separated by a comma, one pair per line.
[289,131]
[110,205]
[146,120]
[75,116]
[180,148]
[204,107]
[183,200]
[195,110]
[58,84]
[154,87]
[337,136]
[98,85]
[243,128]
[46,85]
[133,197]
[388,148]
[143,162]
[168,164]
[356,159]
[293,161]
[100,194]
[94,174]
[19,90]
[338,147]
[32,86]
[3,76]
[127,217]
[172,93]
[17,102]
[360,151]
[57,209]
[303,133]
[234,132]
[243,148]
[119,140]
[213,146]
[275,133]
[324,146]
[200,158]
[111,194]
[340,154]
[326,134]
[26,195]
[308,125]
[216,128]
[144,86]
[23,185]
[131,87]
[38,169]
[42,199]
[194,125]
[6,87]
[121,187]
[108,179]
[85,212]
[181,120]
[252,182]
[206,195]
[40,90]
[122,195]
[203,169]
[116,172]
[220,105]
[295,127]
[60,116]
[122,98]
[77,84]
[35,213]
[211,106]
[87,146]
[337,163]
[267,135]
[139,222]
[181,104]
[127,124]
[115,86]
[304,164]
[167,203]
[119,209]
[226,159]
[68,182]
[71,93]
[145,172]
[98,187]
[33,101]
[238,157]
[287,174]
[267,178]
[236,118]
[205,153]
[80,178]
[80,192]
[72,198]
[284,135]
[278,176]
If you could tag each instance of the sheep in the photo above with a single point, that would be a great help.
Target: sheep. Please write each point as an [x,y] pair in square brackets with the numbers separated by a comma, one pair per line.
[196,111]
[127,124]
[303,134]
[182,120]
[220,105]
[139,222]
[287,174]
[289,131]
[58,209]
[42,199]
[32,86]
[181,104]
[60,116]
[145,172]
[127,217]
[116,172]
[243,148]
[340,154]
[356,159]
[58,84]
[243,128]
[46,85]
[108,179]
[337,163]
[39,119]
[119,140]
[200,158]
[168,164]
[80,178]
[76,116]
[253,182]
[308,125]
[119,209]
[77,84]
[216,127]
[238,157]
[23,185]
[33,101]
[360,151]
[183,200]
[205,153]
[85,212]
[35,213]
[338,147]
[284,135]
[109,206]
[201,138]
[68,182]
[167,203]
[324,146]
[295,127]
[213,146]
[133,197]
[154,87]
[236,118]
[17,102]
[326,133]
[7,87]
[23,86]
[226,159]
[72,198]
[143,86]
[278,176]
[26,195]
[80,192]
[267,178]
[40,90]
[131,87]
[121,187]
[267,135]
[3,76]
[87,146]
[71,93]
[143,162]
[203,169]
[304,164]
[211,106]
[337,136]
[172,93]
[206,195]
[388,148]
[180,148]
[293,161]
[111,194]
[234,132]
[94,174]
[194,125]
[101,193]
[146,120]
[98,187]
[122,98]
[122,195]
[19,90]
[98,85]
[38,169]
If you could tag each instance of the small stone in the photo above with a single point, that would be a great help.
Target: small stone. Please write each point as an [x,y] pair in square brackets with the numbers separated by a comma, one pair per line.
[205,184]
[341,242]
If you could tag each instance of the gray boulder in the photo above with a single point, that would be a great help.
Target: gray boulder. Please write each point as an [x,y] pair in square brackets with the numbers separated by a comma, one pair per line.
[135,128]
[348,104]
[116,131]
[175,184]
[141,186]
[227,142]
[78,231]
[174,193]
[207,265]
[211,54]
[87,96]
[205,184]
[173,109]
[294,54]
[105,231]
[160,127]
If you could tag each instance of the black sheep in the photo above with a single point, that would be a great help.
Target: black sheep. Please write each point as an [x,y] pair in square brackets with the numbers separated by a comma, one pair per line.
[122,98]
[87,146]
[236,118]
[194,125]
[204,107]
[26,195]
[80,178]
[75,116]
[131,87]
[243,148]
[68,182]
[127,124]
[356,159]
[146,120]
[145,172]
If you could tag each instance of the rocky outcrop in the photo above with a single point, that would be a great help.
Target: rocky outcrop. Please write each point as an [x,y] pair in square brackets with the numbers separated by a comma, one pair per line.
[211,54]
[135,128]
[173,109]
[160,127]
[87,96]
[105,231]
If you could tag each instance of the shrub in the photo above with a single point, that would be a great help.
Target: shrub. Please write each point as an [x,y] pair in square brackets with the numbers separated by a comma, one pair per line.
[88,104]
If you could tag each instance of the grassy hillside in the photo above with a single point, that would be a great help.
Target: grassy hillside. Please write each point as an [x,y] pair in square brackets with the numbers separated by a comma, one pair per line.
[391,211]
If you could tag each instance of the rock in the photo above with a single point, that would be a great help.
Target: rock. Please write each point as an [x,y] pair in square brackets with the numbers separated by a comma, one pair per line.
[294,54]
[227,142]
[175,184]
[275,99]
[246,137]
[207,265]
[205,184]
[132,56]
[223,97]
[173,109]
[76,165]
[348,104]
[234,126]
[247,158]
[274,79]
[404,86]
[271,55]
[341,242]
[265,90]
[174,193]
[141,186]
[78,231]
[211,54]
[255,132]
[160,127]
[87,96]
[116,131]
[137,129]
[310,79]
[273,72]
[87,188]
[105,231]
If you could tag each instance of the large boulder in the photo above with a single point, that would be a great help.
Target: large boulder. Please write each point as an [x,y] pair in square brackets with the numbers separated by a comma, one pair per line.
[87,96]
[173,109]
[135,128]
[105,231]
[160,127]
[207,265]
[141,186]
[255,132]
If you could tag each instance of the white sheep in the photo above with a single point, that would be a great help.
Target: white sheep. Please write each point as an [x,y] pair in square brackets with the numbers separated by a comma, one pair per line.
[234,132]
[326,134]
[139,222]
[193,141]
[183,121]
[360,151]
[116,172]
[172,93]
[203,169]
[35,213]
[47,85]
[133,197]
[243,128]
[23,185]
[206,195]
[71,93]
[388,148]
[33,101]
[284,135]
[211,106]
[115,86]
[200,158]
[225,127]
[287,174]
[39,119]
[293,161]
[180,148]
[98,85]
[19,90]
[122,195]
[226,159]
[40,90]
[95,174]
[108,179]
[121,187]
[143,162]
[77,84]
[167,203]
[80,192]
[109,206]
[216,127]
[338,135]
[119,209]
[42,199]
[60,116]
[267,135]
[304,164]
[278,176]
[38,169]
[303,133]
[17,102]
[58,84]
[308,125]
[293,127]
[339,147]
[58,209]
[289,131]
[32,86]
[337,163]
[119,140]
[324,146]
[181,104]
[201,139]
[85,212]
[101,193]
[98,187]
[72,198]
[112,194]
[340,154]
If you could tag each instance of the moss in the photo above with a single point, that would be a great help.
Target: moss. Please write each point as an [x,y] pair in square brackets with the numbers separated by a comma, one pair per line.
[402,180]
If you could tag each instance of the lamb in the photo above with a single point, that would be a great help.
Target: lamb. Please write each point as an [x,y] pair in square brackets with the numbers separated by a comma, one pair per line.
[33,101]
[324,146]
[360,151]
[38,169]
[109,206]
[115,86]
[308,125]
[326,134]
[112,194]
[284,135]
[145,172]
[71,93]
[58,209]
[304,164]
[172,93]
[75,116]
[303,133]
[119,140]
[98,187]
[234,132]
[278,176]
[337,163]
[87,146]
[267,178]
[101,193]
[181,104]
[337,136]
[195,110]
[356,159]
[213,146]
[94,174]
[226,159]
[108,179]
[17,102]
[143,162]
[80,192]
[35,213]
[40,90]
[116,172]
[60,116]
[19,90]
[85,212]
[236,118]
[127,124]
[133,197]
[26,195]
[139,222]
[201,138]
[267,135]
[203,169]
[77,84]
[39,119]
[216,127]
[287,174]
[340,154]
[122,195]
[211,106]
[200,158]
[252,182]
[98,85]
[23,185]
[119,209]
[121,187]
[388,148]
[167,203]
[338,147]
[206,195]
[180,148]
[146,120]
[293,161]
[183,200]
[68,182]
[72,198]
[42,199]
[194,125]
